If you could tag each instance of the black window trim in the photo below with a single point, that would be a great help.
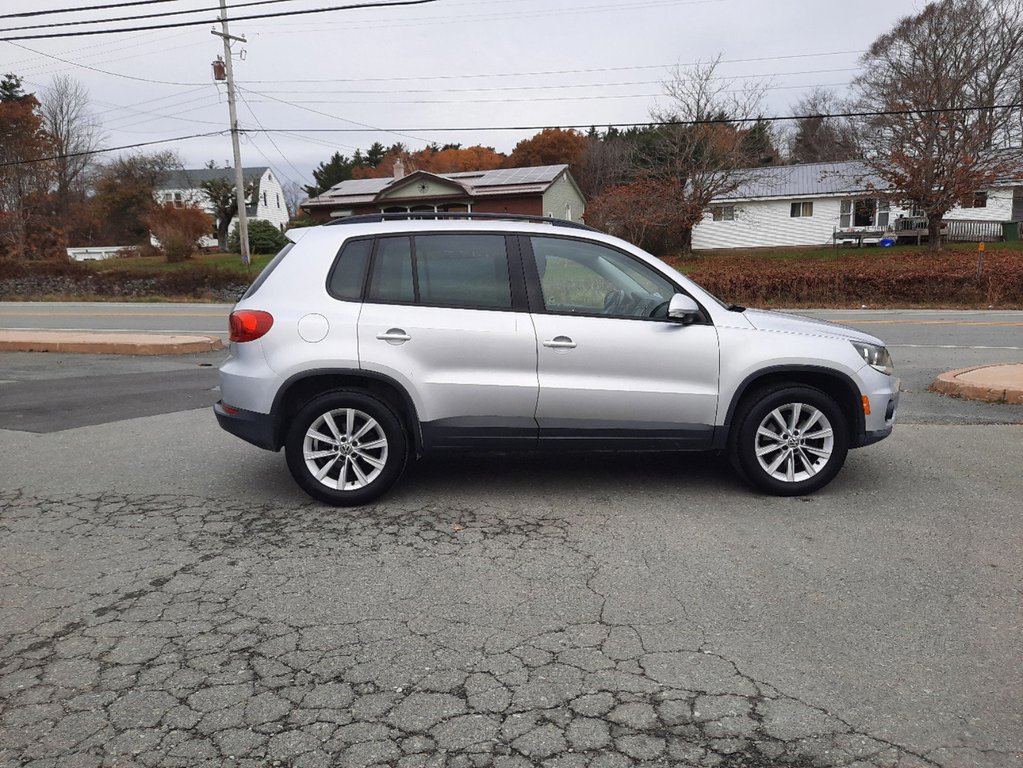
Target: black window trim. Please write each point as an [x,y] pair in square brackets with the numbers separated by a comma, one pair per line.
[365,272]
[535,289]
[516,278]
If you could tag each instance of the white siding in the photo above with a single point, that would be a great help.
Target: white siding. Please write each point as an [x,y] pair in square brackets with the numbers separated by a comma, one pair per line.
[563,201]
[999,208]
[274,210]
[760,223]
[768,223]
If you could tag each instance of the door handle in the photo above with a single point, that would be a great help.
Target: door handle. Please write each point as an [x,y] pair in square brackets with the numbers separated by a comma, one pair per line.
[394,336]
[560,342]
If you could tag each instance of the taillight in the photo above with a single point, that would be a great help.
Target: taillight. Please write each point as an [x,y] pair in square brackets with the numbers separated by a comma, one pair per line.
[249,324]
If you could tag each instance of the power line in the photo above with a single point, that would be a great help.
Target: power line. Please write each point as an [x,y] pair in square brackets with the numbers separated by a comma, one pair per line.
[641,124]
[110,149]
[463,76]
[586,126]
[502,88]
[136,18]
[536,99]
[354,6]
[333,117]
[101,71]
[81,8]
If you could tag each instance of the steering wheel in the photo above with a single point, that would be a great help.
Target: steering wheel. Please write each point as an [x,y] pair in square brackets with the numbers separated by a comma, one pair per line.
[613,300]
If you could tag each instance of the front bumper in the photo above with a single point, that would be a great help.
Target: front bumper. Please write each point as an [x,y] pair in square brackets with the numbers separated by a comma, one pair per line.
[256,428]
[881,421]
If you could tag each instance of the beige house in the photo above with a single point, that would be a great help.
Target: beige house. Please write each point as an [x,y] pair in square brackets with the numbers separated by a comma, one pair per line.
[546,190]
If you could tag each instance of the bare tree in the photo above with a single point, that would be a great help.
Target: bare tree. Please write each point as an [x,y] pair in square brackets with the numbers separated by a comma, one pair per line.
[75,130]
[220,194]
[294,194]
[817,138]
[701,145]
[946,72]
[607,161]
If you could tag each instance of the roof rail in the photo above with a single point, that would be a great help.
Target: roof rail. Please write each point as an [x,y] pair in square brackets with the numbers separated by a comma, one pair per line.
[447,215]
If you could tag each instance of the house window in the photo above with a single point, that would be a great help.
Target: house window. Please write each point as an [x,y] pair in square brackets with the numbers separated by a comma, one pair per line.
[178,200]
[801,210]
[264,198]
[978,200]
[865,212]
[278,199]
[723,212]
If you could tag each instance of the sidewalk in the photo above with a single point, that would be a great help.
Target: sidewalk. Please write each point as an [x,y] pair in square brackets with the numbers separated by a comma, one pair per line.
[988,383]
[107,343]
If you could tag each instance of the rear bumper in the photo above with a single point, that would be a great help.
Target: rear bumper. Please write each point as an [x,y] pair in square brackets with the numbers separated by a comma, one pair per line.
[255,428]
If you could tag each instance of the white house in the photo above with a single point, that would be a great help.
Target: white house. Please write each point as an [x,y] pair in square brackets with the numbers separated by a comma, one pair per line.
[813,203]
[266,202]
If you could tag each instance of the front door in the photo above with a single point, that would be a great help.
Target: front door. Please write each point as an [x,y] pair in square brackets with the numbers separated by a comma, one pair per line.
[612,368]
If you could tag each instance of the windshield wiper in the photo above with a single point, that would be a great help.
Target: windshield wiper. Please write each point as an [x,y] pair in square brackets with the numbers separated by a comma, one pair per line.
[735,308]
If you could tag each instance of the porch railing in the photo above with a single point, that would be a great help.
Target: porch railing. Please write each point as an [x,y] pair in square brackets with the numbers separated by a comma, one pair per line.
[954,230]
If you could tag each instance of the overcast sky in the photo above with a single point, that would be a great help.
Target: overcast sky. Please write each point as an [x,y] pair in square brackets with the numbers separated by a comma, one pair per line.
[448,64]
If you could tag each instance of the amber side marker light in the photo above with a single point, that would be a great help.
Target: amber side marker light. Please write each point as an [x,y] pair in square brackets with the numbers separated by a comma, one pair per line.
[866,405]
[249,324]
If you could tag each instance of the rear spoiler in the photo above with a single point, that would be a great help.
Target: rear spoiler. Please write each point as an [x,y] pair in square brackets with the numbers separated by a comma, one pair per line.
[297,233]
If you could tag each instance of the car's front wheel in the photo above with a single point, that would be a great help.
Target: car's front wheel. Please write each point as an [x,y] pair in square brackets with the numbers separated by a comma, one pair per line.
[789,440]
[345,448]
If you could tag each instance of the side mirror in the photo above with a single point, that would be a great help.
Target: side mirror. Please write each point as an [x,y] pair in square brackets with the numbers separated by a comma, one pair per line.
[683,309]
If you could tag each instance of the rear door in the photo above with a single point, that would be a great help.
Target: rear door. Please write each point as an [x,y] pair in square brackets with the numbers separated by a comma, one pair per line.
[445,315]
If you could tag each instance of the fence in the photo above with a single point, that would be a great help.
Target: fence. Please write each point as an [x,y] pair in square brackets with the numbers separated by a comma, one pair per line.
[963,231]
[953,230]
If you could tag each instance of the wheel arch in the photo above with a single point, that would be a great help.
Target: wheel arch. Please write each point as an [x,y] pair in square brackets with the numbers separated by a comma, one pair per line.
[302,387]
[836,384]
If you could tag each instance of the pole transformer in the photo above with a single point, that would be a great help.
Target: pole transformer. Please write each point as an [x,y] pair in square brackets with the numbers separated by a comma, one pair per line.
[239,180]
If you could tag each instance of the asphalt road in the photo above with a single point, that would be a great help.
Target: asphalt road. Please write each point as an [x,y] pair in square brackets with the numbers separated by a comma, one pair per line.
[169,598]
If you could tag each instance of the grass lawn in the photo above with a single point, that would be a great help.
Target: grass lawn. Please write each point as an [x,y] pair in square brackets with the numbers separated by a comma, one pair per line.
[231,262]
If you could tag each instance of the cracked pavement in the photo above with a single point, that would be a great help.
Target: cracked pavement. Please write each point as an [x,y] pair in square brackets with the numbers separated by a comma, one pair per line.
[600,611]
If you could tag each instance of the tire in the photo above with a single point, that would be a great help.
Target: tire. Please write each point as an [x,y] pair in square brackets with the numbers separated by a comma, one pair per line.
[346,448]
[789,440]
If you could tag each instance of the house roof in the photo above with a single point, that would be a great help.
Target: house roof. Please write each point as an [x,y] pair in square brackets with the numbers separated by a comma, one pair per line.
[190,178]
[806,180]
[501,181]
[822,179]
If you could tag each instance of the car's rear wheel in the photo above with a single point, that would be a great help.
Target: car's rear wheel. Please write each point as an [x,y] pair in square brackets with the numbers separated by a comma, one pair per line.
[789,440]
[346,448]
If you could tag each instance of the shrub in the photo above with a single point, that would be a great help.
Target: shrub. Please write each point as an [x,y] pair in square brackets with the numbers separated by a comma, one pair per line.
[179,230]
[264,237]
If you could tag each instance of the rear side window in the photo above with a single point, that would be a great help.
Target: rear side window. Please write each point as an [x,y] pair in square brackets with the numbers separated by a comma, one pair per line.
[261,278]
[392,271]
[441,270]
[463,271]
[350,270]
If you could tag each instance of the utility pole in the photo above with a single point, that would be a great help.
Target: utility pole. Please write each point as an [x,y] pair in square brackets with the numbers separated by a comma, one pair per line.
[239,180]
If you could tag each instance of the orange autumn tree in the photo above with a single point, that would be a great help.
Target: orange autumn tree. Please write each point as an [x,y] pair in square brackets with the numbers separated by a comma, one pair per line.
[642,212]
[178,229]
[447,159]
[26,171]
[551,146]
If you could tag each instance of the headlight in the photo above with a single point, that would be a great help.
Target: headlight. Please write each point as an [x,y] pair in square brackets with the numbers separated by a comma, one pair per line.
[876,357]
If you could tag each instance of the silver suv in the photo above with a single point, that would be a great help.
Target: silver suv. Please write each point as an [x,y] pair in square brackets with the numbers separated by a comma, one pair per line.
[376,338]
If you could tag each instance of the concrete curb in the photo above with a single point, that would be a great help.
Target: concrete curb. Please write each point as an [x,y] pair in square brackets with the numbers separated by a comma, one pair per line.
[107,343]
[987,383]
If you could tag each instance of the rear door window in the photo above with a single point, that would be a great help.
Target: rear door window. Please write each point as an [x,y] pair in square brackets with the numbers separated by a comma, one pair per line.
[463,271]
[450,270]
